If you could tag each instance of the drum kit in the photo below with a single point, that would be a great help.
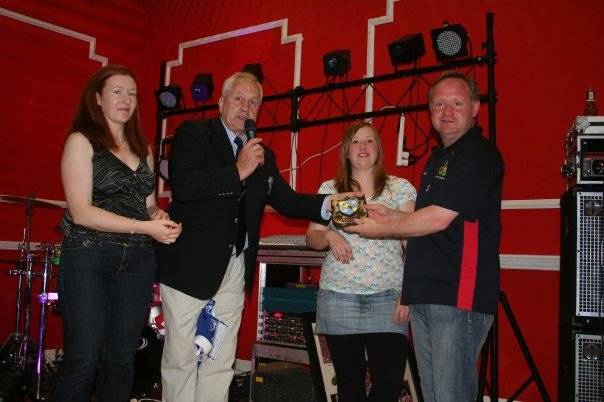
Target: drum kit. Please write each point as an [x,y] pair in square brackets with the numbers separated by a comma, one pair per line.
[23,368]
[22,359]
[147,362]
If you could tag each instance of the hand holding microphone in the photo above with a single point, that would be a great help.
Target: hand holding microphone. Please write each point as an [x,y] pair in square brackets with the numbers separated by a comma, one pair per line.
[250,128]
[252,154]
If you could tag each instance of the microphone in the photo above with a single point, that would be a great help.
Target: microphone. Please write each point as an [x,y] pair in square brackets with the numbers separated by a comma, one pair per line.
[250,128]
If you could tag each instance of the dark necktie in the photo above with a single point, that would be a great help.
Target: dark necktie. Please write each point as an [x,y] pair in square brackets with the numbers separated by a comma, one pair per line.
[239,143]
[241,227]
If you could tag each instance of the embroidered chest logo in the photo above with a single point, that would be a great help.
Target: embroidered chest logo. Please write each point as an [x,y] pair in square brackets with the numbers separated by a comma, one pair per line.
[442,170]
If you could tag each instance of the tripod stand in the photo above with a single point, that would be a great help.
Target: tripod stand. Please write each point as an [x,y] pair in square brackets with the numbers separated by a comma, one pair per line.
[15,349]
[19,354]
[491,349]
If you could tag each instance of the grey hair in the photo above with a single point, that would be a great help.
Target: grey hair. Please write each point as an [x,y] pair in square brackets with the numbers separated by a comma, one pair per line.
[228,84]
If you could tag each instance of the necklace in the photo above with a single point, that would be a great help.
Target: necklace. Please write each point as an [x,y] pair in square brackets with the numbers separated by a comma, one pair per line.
[121,142]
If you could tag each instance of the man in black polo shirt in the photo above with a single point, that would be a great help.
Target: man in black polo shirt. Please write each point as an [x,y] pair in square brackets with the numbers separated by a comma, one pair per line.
[451,278]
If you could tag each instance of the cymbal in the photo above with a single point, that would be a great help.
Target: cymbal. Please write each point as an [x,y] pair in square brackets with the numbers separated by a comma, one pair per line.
[34,202]
[9,260]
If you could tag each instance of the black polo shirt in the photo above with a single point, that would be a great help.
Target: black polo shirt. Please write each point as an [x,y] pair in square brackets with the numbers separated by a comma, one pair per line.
[459,266]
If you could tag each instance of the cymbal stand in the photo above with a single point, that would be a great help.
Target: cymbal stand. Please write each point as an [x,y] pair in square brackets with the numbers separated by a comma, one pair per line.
[43,300]
[21,266]
[28,283]
[16,347]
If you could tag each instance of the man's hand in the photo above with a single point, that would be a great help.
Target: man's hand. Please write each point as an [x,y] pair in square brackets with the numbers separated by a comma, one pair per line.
[380,213]
[250,157]
[367,227]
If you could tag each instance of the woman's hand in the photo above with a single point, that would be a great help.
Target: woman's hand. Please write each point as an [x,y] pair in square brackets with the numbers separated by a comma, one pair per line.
[339,246]
[156,212]
[401,312]
[162,230]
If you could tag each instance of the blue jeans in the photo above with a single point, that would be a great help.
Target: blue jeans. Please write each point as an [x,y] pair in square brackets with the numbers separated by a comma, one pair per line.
[104,291]
[447,342]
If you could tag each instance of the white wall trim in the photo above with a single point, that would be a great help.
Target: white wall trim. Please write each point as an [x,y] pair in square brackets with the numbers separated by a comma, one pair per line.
[285,38]
[296,39]
[60,30]
[531,262]
[546,203]
[370,70]
[508,261]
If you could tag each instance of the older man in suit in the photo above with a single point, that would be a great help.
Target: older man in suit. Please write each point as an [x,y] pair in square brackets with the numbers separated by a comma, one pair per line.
[221,182]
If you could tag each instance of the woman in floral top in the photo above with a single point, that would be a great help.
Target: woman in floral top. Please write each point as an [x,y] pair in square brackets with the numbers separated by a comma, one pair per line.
[358,305]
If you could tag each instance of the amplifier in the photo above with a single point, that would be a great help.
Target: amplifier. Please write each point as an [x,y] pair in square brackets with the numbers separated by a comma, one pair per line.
[281,320]
[581,364]
[283,328]
[581,377]
[589,369]
[581,270]
[584,162]
[280,382]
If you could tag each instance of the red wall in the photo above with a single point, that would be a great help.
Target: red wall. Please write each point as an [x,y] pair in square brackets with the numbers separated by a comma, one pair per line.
[548,53]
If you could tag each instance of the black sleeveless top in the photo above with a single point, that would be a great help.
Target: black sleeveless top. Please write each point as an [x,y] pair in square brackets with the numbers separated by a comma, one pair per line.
[115,188]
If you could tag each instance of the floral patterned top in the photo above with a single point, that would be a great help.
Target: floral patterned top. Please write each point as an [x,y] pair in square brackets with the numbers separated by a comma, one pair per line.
[377,264]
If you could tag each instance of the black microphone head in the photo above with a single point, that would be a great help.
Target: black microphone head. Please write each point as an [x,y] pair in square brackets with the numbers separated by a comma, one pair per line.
[250,128]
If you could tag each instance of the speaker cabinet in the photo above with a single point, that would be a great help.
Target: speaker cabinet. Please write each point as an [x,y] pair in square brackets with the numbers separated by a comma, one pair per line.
[581,365]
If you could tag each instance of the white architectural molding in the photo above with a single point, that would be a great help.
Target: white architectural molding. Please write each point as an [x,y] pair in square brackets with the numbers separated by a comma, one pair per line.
[531,262]
[60,30]
[547,203]
[296,39]
[508,261]
[285,38]
[370,70]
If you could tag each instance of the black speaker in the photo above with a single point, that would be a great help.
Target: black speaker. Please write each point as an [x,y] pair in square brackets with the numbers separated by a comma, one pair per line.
[581,357]
[288,383]
[581,264]
[581,367]
[336,63]
[406,49]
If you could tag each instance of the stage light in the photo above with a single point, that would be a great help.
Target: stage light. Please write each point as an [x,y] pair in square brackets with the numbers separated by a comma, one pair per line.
[450,42]
[336,63]
[168,97]
[202,87]
[254,69]
[406,49]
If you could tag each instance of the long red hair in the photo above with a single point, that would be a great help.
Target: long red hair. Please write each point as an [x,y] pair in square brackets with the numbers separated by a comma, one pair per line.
[90,120]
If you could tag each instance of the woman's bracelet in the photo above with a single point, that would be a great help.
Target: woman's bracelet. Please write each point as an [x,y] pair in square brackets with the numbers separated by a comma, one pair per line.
[133,227]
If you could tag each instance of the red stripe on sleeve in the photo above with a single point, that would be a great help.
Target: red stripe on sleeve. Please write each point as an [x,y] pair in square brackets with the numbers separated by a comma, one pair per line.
[469,266]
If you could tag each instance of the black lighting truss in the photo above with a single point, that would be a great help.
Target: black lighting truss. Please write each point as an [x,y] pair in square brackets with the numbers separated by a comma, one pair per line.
[295,96]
